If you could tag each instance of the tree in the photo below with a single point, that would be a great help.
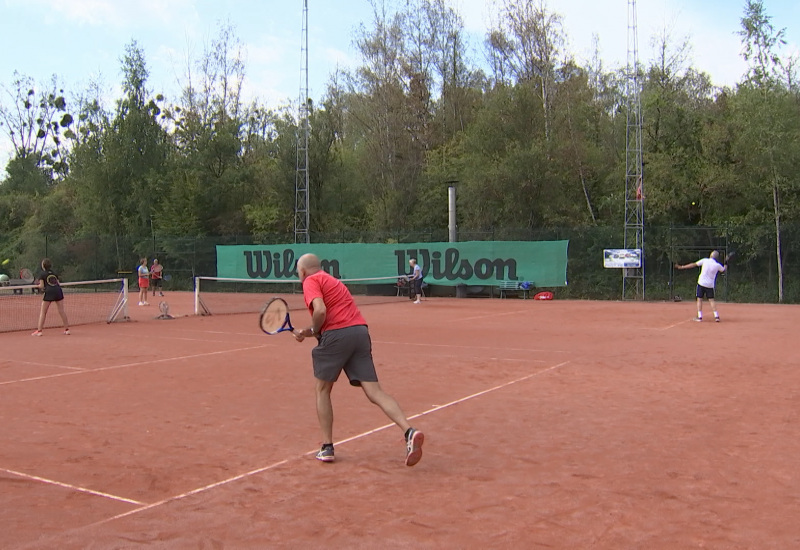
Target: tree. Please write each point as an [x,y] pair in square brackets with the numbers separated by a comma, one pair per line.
[119,168]
[676,100]
[208,127]
[765,127]
[33,121]
[528,44]
[391,154]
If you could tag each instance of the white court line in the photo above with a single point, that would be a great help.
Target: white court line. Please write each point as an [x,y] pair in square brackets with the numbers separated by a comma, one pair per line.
[492,315]
[673,325]
[461,358]
[437,408]
[341,442]
[192,492]
[69,486]
[48,365]
[127,365]
[493,348]
[198,339]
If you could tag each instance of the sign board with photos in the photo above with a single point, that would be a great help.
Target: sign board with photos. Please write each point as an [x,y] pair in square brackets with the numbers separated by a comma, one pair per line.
[622,258]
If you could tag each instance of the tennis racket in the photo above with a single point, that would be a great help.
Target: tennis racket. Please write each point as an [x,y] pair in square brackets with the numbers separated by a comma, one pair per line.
[167,277]
[729,256]
[275,317]
[26,275]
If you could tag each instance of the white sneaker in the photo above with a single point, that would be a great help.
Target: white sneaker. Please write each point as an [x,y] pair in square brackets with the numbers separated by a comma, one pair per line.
[146,303]
[141,303]
[417,302]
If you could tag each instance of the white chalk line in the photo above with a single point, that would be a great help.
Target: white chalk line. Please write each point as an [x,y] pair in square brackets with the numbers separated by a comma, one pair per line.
[487,316]
[192,492]
[128,365]
[673,325]
[453,346]
[47,365]
[70,486]
[340,442]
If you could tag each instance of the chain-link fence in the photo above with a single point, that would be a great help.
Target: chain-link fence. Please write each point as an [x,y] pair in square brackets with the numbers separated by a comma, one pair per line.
[753,276]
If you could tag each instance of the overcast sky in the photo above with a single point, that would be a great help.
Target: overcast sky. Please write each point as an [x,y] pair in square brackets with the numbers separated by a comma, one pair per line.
[83,40]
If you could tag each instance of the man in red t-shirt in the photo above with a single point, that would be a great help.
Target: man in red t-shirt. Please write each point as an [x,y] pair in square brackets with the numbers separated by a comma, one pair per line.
[343,345]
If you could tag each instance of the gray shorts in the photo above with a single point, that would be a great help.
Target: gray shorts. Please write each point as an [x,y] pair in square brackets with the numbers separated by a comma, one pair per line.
[348,349]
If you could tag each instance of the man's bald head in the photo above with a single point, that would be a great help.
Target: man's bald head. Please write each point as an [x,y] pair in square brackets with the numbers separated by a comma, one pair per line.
[308,264]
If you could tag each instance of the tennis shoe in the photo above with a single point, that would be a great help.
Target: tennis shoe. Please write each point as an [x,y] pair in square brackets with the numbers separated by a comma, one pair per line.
[146,303]
[716,319]
[414,447]
[697,319]
[417,302]
[325,454]
[36,333]
[141,303]
[66,332]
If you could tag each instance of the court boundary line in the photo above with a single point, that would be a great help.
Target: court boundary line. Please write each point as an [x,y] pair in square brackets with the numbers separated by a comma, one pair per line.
[437,408]
[467,347]
[673,325]
[181,496]
[128,365]
[70,486]
[492,315]
[340,442]
[36,363]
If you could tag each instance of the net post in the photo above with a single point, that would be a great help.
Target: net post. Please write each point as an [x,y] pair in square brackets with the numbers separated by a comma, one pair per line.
[125,298]
[197,295]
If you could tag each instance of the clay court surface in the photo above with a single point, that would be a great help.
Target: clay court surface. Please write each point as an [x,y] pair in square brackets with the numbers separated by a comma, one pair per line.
[548,425]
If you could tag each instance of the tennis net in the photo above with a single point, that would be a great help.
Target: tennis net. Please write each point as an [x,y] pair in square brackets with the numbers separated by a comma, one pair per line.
[85,302]
[218,295]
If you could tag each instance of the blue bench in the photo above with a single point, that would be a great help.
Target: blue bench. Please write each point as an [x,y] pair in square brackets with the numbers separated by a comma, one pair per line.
[510,288]
[514,287]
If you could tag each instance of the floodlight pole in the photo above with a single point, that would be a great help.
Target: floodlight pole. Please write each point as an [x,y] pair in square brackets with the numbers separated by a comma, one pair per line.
[451,210]
[301,206]
[633,278]
[461,290]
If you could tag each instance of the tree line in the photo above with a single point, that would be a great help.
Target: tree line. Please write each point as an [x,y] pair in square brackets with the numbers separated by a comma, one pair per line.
[534,139]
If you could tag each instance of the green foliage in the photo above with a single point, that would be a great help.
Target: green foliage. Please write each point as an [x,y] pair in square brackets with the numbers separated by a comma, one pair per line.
[536,149]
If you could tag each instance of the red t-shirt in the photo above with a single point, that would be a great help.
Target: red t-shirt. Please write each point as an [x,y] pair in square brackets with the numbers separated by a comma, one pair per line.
[341,310]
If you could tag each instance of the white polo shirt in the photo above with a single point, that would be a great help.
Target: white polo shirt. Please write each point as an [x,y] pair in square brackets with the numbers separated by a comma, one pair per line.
[709,268]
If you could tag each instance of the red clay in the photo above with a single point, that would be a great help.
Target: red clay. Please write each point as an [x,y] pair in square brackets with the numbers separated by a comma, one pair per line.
[547,424]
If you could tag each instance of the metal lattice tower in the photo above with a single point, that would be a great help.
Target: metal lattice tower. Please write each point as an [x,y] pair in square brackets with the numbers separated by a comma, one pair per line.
[633,278]
[301,210]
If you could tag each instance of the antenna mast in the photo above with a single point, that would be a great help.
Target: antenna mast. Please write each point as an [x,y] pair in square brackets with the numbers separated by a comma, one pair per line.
[301,214]
[633,278]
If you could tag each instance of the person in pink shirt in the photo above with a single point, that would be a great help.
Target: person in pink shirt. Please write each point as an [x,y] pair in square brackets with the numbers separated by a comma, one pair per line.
[343,344]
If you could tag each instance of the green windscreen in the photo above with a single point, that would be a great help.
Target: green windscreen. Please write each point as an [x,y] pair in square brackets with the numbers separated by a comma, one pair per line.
[543,263]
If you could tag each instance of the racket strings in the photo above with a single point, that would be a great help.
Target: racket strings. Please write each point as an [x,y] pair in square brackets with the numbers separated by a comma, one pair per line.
[274,316]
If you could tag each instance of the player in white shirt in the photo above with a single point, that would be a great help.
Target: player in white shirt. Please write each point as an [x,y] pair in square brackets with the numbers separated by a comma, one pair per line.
[709,267]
